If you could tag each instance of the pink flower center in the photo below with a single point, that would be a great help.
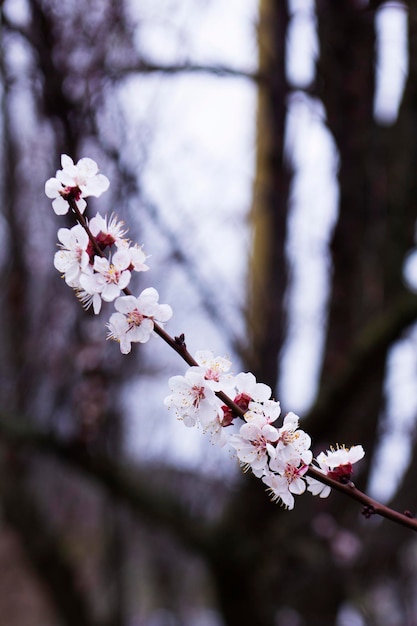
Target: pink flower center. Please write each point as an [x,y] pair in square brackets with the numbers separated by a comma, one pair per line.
[260,444]
[212,375]
[134,318]
[198,393]
[292,472]
[113,275]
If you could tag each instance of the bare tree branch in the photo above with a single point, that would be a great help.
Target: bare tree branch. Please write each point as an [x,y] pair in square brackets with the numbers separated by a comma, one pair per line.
[143,66]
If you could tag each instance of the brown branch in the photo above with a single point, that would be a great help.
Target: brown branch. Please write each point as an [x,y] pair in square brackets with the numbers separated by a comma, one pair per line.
[371,506]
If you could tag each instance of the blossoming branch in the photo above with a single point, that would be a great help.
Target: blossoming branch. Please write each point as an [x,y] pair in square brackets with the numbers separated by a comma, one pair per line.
[97,261]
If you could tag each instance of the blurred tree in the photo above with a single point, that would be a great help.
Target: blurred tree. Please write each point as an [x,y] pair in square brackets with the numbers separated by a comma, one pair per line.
[113,542]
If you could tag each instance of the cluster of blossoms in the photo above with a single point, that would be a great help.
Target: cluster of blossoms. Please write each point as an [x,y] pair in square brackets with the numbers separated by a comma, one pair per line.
[97,260]
[279,455]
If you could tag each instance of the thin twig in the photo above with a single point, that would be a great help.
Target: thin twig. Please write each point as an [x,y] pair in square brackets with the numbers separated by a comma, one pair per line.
[146,67]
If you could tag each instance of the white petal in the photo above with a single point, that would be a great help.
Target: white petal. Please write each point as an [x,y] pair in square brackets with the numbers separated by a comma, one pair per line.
[87,167]
[124,279]
[66,178]
[164,313]
[66,161]
[81,204]
[96,186]
[60,206]
[126,304]
[52,187]
[121,259]
[110,292]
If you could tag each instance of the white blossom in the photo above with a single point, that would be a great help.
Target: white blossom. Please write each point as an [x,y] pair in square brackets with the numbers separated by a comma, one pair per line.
[77,181]
[292,441]
[270,410]
[109,278]
[253,444]
[137,259]
[340,456]
[72,258]
[194,401]
[336,463]
[135,317]
[246,383]
[286,483]
[214,370]
[107,231]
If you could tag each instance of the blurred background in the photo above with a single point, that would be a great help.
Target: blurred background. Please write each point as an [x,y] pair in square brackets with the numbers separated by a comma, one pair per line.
[264,152]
